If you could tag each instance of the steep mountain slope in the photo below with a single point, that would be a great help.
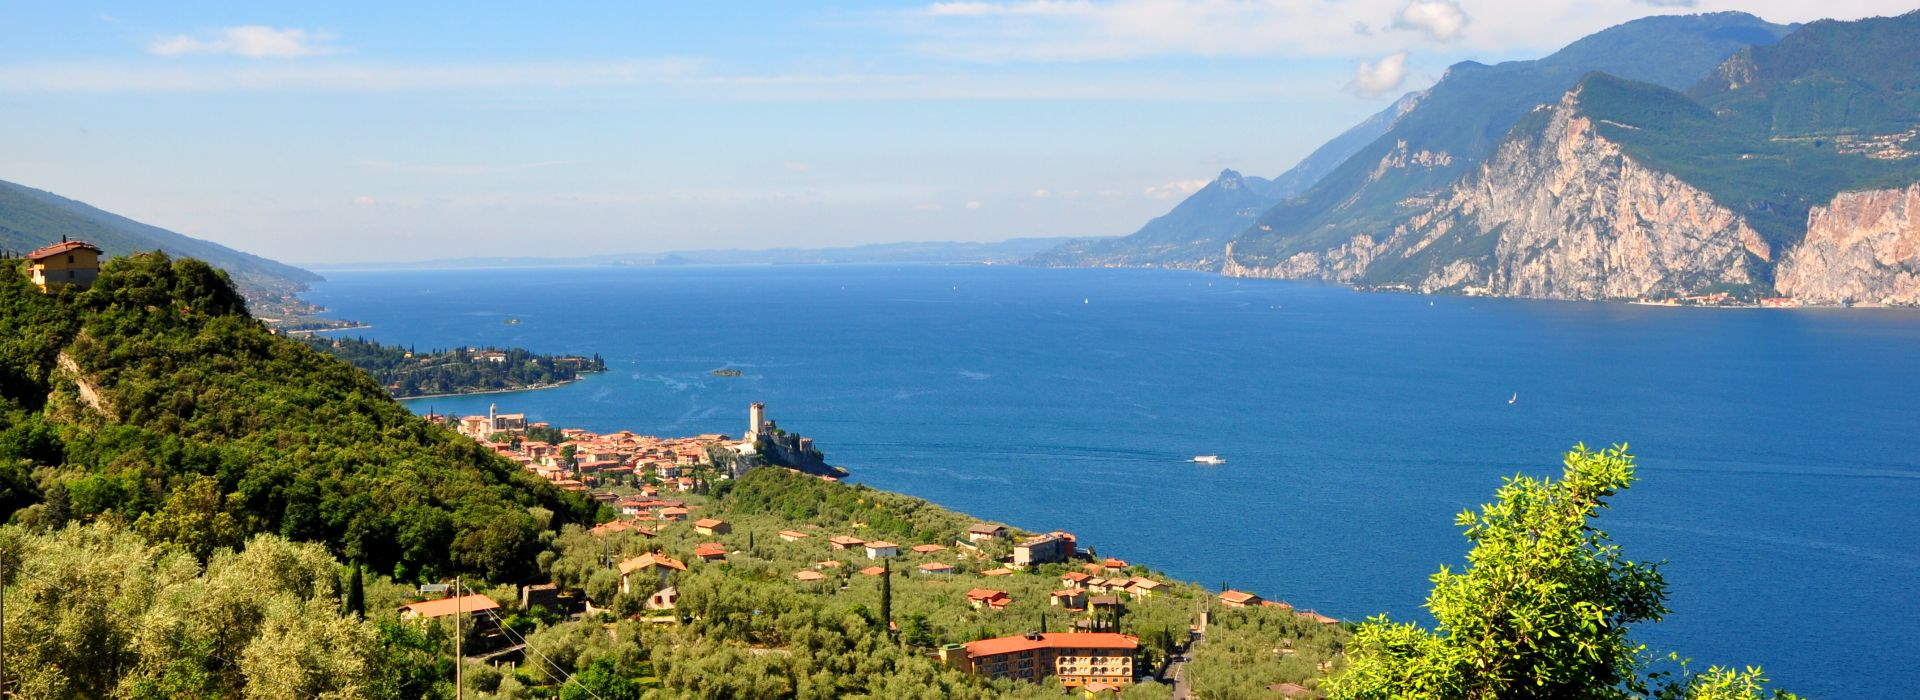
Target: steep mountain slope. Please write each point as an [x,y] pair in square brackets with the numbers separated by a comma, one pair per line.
[1194,235]
[1191,236]
[1464,117]
[1625,189]
[30,218]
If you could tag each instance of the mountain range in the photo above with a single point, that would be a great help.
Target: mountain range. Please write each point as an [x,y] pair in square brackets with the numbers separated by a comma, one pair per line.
[1668,156]
[30,218]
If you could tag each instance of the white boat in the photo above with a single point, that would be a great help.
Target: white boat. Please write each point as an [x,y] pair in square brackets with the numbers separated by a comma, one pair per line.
[1515,398]
[1209,459]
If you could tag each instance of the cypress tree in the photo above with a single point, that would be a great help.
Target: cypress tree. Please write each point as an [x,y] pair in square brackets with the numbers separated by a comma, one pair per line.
[356,593]
[886,597]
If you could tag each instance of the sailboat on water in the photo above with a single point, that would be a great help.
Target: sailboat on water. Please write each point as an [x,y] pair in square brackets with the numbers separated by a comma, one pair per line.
[1513,399]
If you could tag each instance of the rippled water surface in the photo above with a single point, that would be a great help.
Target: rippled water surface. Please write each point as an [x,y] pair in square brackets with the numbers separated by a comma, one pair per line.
[1779,463]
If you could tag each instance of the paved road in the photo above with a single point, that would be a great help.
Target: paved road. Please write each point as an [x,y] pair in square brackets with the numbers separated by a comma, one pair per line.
[1177,667]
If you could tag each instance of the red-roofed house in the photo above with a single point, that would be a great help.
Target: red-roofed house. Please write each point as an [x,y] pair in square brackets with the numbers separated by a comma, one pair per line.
[710,551]
[64,264]
[1239,599]
[1078,658]
[987,597]
[711,527]
[844,542]
[934,567]
[881,549]
[1070,598]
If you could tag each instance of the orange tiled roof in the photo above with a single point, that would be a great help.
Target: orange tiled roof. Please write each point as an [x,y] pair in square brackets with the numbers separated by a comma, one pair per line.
[58,248]
[809,575]
[1053,640]
[1238,597]
[649,560]
[448,606]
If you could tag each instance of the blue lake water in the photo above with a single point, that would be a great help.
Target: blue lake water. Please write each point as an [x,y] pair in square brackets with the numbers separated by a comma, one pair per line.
[1779,468]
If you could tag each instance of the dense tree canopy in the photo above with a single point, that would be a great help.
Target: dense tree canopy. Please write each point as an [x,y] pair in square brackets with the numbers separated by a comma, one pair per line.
[153,398]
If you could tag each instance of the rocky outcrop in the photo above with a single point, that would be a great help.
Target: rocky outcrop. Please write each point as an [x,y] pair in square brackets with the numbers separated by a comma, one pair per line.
[90,394]
[1559,212]
[1860,248]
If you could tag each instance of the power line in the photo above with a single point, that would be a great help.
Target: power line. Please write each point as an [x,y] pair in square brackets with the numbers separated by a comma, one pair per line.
[564,676]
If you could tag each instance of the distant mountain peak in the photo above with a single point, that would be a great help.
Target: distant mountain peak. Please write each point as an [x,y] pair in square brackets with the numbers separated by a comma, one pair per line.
[1229,179]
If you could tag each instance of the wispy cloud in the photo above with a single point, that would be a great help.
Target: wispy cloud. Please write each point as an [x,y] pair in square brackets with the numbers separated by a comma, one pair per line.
[1440,20]
[251,41]
[1003,31]
[1376,78]
[1175,189]
[458,168]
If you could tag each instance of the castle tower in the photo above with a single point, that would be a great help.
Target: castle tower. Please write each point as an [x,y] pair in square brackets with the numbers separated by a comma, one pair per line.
[756,420]
[493,416]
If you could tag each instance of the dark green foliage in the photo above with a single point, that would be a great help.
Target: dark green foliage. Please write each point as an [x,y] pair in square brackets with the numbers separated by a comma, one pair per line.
[356,603]
[271,436]
[600,680]
[456,371]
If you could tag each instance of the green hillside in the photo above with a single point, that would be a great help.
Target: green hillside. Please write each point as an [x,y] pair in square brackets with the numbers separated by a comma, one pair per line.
[155,400]
[1831,78]
[1739,161]
[30,218]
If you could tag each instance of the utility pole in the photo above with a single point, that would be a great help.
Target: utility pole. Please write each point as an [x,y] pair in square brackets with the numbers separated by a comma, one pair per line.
[3,628]
[458,601]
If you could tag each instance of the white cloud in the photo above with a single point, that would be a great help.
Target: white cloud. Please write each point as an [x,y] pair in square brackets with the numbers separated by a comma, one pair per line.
[1372,79]
[1042,193]
[458,168]
[1441,20]
[252,41]
[999,31]
[1175,189]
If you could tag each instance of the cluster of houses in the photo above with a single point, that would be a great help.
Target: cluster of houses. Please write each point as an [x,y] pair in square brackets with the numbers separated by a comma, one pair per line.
[596,460]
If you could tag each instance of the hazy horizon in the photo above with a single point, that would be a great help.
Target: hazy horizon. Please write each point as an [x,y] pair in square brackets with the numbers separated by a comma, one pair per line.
[344,133]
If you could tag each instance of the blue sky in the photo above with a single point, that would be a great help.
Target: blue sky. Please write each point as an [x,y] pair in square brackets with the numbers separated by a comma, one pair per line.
[351,131]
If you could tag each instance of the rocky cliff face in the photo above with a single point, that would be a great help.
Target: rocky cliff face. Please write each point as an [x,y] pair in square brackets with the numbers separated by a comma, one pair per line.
[1557,212]
[1861,248]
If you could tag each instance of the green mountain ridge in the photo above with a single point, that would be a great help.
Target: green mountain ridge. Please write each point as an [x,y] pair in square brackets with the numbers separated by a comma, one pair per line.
[1470,111]
[30,218]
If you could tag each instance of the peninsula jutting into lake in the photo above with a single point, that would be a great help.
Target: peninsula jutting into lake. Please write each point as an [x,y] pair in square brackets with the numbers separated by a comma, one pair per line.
[1090,349]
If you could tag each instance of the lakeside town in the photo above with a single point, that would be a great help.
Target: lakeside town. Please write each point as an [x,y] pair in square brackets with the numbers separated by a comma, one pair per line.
[657,492]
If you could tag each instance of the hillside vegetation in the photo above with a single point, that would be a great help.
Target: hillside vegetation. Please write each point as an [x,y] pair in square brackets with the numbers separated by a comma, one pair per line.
[154,399]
